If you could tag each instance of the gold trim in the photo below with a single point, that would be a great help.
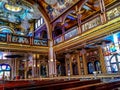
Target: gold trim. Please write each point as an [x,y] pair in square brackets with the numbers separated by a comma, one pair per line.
[105,29]
[21,47]
[13,8]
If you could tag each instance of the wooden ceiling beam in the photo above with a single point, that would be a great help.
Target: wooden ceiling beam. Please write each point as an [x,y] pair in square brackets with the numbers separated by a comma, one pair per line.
[90,6]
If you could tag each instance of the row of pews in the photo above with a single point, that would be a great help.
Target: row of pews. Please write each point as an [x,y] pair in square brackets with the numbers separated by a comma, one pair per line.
[94,84]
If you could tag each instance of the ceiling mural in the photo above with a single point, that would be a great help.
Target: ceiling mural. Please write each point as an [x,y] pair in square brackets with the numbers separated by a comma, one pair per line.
[56,7]
[16,12]
[18,15]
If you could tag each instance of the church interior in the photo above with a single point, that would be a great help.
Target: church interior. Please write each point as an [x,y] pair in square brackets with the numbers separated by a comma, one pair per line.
[59,44]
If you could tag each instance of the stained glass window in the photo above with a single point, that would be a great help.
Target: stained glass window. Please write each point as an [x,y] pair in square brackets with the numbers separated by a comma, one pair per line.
[112,53]
[5,71]
[5,67]
[90,68]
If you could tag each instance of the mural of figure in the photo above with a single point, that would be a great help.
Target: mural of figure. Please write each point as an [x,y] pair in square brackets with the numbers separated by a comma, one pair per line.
[61,2]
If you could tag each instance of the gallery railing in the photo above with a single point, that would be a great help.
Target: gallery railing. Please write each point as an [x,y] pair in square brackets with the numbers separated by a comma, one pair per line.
[17,39]
[111,13]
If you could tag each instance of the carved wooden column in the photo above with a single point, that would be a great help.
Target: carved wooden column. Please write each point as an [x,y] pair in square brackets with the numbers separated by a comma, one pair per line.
[26,68]
[79,23]
[103,13]
[102,61]
[15,64]
[63,32]
[85,64]
[71,69]
[13,68]
[78,61]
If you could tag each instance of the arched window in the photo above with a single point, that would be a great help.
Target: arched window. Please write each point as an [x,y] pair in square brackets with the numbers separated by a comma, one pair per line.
[5,71]
[44,34]
[97,66]
[5,67]
[90,68]
[39,22]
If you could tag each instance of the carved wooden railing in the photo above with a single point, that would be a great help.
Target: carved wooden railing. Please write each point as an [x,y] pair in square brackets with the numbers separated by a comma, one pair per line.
[17,39]
[111,13]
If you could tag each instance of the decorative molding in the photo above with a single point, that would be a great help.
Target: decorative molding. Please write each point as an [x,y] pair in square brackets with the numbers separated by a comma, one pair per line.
[96,32]
[28,48]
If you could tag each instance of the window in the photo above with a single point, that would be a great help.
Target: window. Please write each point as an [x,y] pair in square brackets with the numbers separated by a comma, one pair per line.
[90,68]
[39,22]
[5,71]
[112,53]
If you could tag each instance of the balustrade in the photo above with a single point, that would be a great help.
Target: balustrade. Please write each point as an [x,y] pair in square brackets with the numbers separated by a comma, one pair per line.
[17,39]
[111,14]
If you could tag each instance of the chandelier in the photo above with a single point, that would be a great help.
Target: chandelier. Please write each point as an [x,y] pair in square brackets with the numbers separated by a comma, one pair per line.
[51,2]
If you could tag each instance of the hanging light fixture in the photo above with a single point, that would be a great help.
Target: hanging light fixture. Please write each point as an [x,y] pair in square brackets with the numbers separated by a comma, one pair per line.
[51,2]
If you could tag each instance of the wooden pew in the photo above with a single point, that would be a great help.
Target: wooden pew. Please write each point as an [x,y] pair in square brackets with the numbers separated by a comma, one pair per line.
[33,83]
[59,86]
[98,86]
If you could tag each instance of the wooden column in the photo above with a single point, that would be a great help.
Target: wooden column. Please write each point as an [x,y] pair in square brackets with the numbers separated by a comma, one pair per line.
[26,68]
[79,23]
[38,68]
[85,64]
[102,61]
[15,63]
[78,61]
[71,69]
[103,13]
[13,68]
[63,32]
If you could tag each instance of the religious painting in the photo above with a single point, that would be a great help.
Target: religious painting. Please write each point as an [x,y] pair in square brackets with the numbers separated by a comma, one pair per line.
[115,12]
[91,24]
[56,7]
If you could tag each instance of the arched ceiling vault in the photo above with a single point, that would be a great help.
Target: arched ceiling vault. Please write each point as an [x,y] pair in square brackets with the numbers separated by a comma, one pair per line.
[44,15]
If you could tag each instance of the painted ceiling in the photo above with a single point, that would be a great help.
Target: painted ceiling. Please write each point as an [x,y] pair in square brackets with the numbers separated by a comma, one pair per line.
[16,11]
[56,7]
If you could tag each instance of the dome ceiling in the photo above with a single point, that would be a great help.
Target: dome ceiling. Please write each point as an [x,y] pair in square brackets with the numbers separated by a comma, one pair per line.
[16,12]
